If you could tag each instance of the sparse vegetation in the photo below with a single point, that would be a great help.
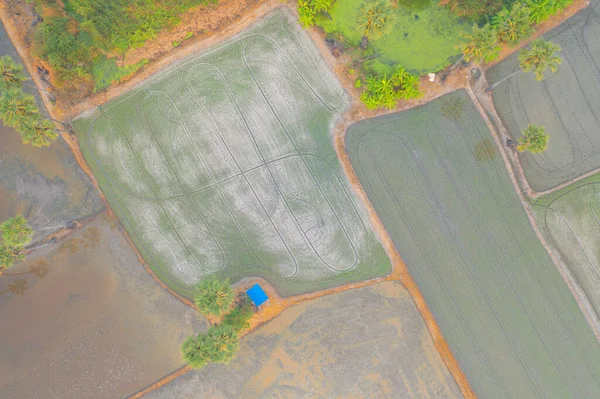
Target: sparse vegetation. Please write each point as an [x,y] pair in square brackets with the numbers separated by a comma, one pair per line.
[453,108]
[239,317]
[16,234]
[534,139]
[213,296]
[308,10]
[472,9]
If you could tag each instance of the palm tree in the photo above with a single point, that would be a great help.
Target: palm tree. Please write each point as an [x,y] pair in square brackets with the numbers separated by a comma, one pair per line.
[321,5]
[38,131]
[375,17]
[513,25]
[533,139]
[543,54]
[481,44]
[11,73]
[16,107]
[16,232]
[195,350]
[213,296]
[223,343]
[9,255]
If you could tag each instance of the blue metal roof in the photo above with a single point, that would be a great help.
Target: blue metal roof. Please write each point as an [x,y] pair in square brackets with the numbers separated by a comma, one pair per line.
[257,295]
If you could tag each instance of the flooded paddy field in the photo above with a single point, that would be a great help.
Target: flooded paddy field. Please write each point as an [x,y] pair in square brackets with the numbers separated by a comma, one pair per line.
[83,319]
[370,342]
[442,191]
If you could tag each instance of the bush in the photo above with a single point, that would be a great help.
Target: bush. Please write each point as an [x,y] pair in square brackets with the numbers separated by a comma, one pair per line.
[472,9]
[213,296]
[239,317]
[385,92]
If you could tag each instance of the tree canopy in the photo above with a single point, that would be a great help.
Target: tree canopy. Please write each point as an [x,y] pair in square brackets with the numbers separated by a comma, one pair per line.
[213,296]
[481,44]
[533,139]
[542,55]
[375,18]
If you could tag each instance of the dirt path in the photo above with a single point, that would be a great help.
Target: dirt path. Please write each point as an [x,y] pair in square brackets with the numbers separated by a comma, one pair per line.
[483,102]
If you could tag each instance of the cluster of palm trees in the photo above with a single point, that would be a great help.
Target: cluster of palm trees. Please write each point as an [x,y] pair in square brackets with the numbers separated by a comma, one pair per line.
[19,110]
[219,344]
[385,91]
[16,234]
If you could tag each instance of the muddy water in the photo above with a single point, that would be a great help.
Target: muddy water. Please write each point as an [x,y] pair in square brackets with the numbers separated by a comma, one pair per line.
[83,319]
[44,184]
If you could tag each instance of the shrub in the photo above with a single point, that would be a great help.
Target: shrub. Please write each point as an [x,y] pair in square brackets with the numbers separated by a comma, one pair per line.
[481,44]
[307,13]
[534,139]
[513,25]
[213,296]
[385,92]
[472,9]
[239,317]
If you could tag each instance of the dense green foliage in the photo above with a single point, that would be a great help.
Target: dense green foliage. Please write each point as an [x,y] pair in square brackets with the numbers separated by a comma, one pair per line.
[534,139]
[513,24]
[541,10]
[481,44]
[375,18]
[213,296]
[11,73]
[16,234]
[385,92]
[239,317]
[218,345]
[472,9]
[83,30]
[308,10]
[19,110]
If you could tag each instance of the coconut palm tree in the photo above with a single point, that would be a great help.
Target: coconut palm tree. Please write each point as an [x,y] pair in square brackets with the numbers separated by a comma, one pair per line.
[16,107]
[375,17]
[213,296]
[9,255]
[196,351]
[223,343]
[11,73]
[38,131]
[514,24]
[542,56]
[481,44]
[16,232]
[533,139]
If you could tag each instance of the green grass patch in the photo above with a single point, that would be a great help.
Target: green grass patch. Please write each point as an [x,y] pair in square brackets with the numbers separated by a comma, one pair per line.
[422,40]
[105,71]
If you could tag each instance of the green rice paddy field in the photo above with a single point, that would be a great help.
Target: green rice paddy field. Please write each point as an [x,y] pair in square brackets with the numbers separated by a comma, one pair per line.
[445,197]
[422,40]
[566,103]
[570,221]
[225,165]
